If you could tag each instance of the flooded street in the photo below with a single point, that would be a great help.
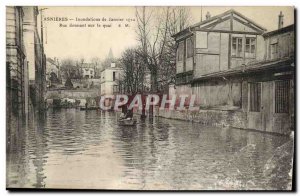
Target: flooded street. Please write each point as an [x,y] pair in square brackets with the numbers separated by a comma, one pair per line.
[88,149]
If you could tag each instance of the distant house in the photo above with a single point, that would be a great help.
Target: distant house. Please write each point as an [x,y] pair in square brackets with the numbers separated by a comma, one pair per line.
[231,64]
[110,78]
[88,70]
[53,74]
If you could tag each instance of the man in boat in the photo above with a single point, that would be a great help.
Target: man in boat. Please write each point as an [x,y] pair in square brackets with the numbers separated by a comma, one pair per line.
[122,116]
[129,115]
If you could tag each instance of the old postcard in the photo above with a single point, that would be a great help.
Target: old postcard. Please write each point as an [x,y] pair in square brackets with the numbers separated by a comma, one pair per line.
[150,98]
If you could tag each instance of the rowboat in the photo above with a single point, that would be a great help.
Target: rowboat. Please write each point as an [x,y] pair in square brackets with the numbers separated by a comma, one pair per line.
[127,122]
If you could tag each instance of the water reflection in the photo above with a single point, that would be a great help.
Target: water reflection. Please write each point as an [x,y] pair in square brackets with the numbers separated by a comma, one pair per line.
[87,149]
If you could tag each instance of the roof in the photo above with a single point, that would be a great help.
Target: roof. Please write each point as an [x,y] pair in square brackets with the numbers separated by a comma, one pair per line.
[110,54]
[231,11]
[51,61]
[280,31]
[250,68]
[88,65]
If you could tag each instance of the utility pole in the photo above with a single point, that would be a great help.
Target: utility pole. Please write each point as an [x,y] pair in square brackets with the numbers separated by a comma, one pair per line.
[43,69]
[42,27]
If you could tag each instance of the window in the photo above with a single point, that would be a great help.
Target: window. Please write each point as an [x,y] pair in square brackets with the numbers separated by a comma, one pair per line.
[255,97]
[189,47]
[91,72]
[250,47]
[274,50]
[180,51]
[114,76]
[237,47]
[201,39]
[282,89]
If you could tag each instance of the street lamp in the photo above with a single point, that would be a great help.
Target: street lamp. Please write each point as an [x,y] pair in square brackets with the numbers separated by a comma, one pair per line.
[42,59]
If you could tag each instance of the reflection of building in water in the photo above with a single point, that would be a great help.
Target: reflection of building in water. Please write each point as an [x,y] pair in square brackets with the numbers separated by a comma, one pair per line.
[41,150]
[18,159]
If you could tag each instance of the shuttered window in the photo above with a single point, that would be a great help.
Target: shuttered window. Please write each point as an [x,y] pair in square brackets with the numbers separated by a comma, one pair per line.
[282,89]
[255,96]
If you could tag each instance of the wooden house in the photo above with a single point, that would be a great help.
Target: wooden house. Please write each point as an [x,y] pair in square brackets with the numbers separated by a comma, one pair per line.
[230,63]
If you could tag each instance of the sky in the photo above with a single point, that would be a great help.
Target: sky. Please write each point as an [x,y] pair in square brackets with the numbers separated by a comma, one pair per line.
[90,42]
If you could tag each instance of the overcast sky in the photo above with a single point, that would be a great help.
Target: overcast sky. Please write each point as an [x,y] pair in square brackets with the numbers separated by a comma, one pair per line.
[87,42]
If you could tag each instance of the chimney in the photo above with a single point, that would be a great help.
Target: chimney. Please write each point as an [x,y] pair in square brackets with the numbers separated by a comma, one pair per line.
[207,16]
[280,20]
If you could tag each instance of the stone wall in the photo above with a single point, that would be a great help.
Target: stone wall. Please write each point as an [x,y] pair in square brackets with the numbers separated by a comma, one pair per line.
[73,94]
[225,118]
[236,118]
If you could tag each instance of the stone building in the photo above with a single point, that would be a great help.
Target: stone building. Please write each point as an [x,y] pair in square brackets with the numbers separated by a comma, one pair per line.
[53,73]
[16,65]
[35,57]
[238,71]
[110,78]
[24,64]
[88,70]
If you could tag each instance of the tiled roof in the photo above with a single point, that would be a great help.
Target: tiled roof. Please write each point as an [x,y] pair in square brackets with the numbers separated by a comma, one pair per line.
[220,16]
[250,68]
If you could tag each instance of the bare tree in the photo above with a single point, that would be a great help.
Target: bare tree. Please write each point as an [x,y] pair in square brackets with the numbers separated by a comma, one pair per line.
[149,36]
[71,68]
[154,30]
[96,61]
[68,68]
[133,71]
[179,20]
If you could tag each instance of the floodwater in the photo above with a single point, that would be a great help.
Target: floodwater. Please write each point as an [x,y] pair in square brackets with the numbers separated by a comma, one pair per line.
[88,150]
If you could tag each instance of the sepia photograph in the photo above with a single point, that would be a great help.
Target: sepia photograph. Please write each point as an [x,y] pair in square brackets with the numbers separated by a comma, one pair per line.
[150,98]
